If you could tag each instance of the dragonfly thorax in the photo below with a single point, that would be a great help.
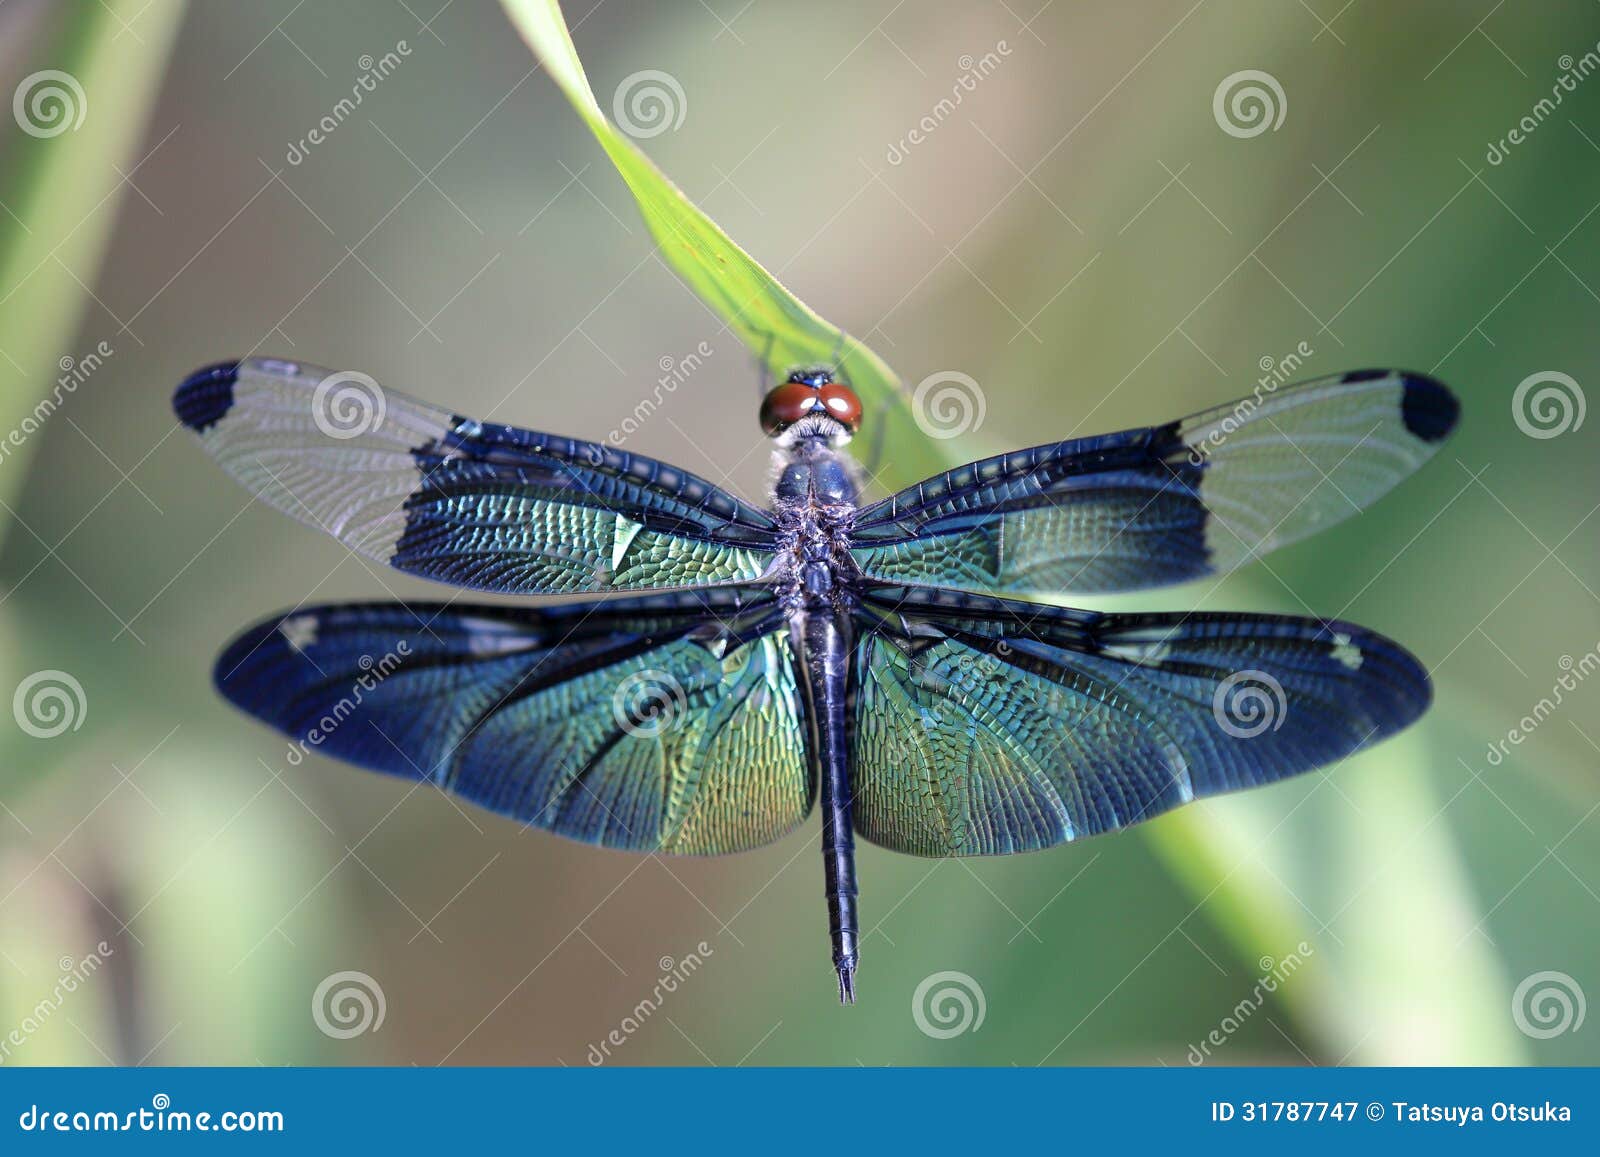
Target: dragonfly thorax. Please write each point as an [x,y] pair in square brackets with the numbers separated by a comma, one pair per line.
[815,505]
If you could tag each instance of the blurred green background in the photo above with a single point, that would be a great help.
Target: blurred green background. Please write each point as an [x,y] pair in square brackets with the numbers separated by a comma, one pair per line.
[1077,233]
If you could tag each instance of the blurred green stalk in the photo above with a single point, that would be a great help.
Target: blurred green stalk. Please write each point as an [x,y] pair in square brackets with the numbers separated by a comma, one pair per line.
[58,202]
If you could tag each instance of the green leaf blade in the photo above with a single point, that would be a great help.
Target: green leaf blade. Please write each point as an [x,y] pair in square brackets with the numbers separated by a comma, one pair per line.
[780,329]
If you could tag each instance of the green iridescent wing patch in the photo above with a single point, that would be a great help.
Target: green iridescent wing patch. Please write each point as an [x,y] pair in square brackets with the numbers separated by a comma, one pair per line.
[985,726]
[669,723]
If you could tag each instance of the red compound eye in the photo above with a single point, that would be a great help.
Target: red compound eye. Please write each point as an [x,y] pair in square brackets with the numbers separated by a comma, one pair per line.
[786,405]
[842,405]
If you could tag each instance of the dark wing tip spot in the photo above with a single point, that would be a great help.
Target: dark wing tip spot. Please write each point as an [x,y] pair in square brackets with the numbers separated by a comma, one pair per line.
[205,395]
[1428,408]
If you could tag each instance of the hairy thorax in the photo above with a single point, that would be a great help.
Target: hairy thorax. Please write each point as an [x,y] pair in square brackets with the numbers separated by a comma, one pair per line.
[815,505]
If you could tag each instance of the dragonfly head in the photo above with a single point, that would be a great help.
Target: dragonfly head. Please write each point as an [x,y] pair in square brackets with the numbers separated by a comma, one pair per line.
[811,402]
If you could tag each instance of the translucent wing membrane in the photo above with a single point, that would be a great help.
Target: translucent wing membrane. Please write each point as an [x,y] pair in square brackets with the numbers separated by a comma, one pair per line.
[987,726]
[1160,505]
[477,504]
[668,723]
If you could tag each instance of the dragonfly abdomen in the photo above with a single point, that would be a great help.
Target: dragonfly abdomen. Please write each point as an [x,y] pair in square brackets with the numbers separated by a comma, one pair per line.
[824,649]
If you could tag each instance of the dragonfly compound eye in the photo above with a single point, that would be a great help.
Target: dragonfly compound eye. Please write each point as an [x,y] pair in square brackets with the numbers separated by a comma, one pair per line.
[842,405]
[787,404]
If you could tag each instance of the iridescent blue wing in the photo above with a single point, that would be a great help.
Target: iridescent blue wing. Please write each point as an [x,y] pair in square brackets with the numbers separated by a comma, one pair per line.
[477,504]
[1160,505]
[669,723]
[985,726]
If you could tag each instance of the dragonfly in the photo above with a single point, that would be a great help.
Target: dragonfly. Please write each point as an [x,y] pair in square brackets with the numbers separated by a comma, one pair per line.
[894,660]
